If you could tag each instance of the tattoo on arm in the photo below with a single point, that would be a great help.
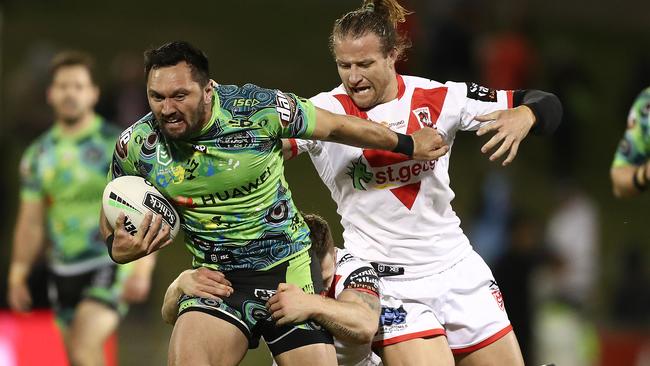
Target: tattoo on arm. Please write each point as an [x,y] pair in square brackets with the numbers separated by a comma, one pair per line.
[339,330]
[371,300]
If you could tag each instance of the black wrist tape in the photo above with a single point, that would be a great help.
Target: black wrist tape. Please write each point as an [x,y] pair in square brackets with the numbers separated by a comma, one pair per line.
[109,246]
[635,180]
[404,144]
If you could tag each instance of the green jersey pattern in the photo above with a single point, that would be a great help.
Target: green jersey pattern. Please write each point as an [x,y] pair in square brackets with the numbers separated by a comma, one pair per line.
[634,148]
[228,182]
[68,174]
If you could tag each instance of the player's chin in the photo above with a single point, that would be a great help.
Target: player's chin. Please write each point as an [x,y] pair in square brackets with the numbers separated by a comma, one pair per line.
[363,101]
[175,131]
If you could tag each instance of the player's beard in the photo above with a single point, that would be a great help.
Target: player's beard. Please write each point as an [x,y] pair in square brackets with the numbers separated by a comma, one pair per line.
[193,121]
[72,116]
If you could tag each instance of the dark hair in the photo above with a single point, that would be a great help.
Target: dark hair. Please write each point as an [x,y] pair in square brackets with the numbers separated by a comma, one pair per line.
[172,53]
[73,58]
[320,235]
[380,17]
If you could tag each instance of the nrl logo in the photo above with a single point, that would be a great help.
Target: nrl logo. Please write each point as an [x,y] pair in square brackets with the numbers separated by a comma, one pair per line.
[359,173]
[423,116]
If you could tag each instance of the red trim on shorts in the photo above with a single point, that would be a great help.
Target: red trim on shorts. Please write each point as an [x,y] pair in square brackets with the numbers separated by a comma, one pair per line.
[485,342]
[510,94]
[294,148]
[407,337]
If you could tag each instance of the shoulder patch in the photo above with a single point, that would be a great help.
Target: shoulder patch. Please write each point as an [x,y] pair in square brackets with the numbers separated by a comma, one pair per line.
[481,93]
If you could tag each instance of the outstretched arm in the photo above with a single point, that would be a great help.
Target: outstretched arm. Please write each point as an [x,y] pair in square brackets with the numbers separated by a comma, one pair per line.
[353,316]
[424,144]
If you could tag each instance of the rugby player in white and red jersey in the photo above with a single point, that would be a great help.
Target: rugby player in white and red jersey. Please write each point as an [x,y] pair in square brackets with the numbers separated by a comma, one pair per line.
[440,302]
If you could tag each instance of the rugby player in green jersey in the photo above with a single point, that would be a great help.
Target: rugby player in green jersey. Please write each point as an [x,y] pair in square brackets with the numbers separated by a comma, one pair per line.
[63,175]
[215,150]
[631,166]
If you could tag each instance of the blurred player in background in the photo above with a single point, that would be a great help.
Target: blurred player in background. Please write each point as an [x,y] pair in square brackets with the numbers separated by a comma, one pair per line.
[396,212]
[631,166]
[352,318]
[63,176]
[215,151]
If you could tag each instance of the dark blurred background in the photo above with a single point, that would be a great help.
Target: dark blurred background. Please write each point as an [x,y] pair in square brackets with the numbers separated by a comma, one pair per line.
[572,261]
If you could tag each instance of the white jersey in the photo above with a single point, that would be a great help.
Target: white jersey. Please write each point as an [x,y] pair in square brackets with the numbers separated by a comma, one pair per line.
[352,273]
[396,210]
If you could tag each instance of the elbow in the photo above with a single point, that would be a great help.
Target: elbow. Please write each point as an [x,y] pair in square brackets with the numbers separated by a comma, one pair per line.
[367,332]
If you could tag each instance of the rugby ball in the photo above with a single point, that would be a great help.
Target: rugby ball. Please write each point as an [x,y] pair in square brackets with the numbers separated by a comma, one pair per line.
[135,196]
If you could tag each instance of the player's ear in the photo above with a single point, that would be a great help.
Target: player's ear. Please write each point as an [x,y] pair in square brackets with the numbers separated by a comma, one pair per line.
[208,90]
[392,56]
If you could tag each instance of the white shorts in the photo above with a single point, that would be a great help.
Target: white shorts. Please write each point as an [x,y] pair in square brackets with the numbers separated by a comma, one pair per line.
[463,302]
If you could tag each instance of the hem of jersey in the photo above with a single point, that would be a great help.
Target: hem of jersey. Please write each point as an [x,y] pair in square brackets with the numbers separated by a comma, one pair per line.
[407,337]
[287,258]
[484,343]
[371,292]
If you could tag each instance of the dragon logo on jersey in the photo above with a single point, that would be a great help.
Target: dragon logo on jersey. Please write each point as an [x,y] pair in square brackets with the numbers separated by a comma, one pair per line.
[359,173]
[423,116]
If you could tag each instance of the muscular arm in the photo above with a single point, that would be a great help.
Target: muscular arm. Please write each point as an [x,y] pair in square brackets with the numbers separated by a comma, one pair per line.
[354,131]
[28,243]
[353,316]
[623,179]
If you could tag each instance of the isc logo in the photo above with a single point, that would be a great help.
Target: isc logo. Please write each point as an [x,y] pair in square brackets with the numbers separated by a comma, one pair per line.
[129,227]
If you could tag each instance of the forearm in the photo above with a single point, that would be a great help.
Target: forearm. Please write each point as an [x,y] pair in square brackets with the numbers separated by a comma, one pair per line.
[353,131]
[27,245]
[623,180]
[348,321]
[169,309]
[546,107]
[145,265]
[105,227]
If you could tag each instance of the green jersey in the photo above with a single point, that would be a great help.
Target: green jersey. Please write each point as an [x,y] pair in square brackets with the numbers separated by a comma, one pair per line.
[68,174]
[634,148]
[228,181]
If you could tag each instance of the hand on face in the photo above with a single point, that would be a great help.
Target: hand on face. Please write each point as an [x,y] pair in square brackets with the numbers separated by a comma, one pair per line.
[511,126]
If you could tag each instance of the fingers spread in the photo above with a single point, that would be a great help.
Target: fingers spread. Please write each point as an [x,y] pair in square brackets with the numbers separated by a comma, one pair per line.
[492,143]
[488,117]
[512,154]
[505,146]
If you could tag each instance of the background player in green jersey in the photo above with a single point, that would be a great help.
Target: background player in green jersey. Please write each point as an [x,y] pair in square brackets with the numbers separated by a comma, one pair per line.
[215,150]
[63,175]
[631,167]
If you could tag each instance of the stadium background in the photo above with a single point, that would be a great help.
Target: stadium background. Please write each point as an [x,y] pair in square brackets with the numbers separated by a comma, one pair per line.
[597,57]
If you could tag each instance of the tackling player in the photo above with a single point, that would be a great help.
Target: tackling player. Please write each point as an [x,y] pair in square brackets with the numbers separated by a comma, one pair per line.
[350,311]
[215,151]
[396,212]
[631,166]
[63,175]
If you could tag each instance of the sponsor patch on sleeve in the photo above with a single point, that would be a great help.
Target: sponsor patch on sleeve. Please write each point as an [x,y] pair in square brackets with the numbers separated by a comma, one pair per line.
[481,93]
[362,278]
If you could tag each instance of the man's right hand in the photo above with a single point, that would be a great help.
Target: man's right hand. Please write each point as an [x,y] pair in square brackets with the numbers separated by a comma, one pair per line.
[149,238]
[204,282]
[18,296]
[428,144]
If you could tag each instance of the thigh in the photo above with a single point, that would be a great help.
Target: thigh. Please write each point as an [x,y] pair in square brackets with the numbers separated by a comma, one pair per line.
[503,352]
[92,324]
[201,339]
[419,351]
[313,354]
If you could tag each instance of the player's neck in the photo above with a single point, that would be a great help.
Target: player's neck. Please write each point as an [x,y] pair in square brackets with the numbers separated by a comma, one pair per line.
[391,91]
[73,128]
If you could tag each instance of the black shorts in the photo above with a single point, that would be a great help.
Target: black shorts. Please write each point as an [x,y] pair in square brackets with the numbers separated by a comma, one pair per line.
[246,307]
[103,284]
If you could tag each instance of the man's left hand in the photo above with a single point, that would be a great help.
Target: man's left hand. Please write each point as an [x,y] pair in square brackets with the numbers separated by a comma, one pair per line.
[291,305]
[511,127]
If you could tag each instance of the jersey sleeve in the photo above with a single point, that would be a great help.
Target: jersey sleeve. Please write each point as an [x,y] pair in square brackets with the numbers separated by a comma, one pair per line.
[31,187]
[127,150]
[357,275]
[634,147]
[297,116]
[471,100]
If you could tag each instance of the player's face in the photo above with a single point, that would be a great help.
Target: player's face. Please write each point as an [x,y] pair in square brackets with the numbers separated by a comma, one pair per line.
[72,94]
[327,267]
[179,103]
[368,75]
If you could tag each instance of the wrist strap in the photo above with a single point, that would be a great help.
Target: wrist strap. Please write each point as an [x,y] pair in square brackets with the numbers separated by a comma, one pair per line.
[635,179]
[109,246]
[405,144]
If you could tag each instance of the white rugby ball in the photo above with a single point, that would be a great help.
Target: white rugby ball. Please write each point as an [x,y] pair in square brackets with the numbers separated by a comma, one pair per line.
[135,196]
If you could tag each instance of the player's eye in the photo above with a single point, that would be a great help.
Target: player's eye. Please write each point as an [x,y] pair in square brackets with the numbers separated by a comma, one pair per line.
[344,66]
[180,97]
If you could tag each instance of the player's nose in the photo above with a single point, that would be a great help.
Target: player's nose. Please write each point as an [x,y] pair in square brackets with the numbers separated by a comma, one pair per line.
[168,107]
